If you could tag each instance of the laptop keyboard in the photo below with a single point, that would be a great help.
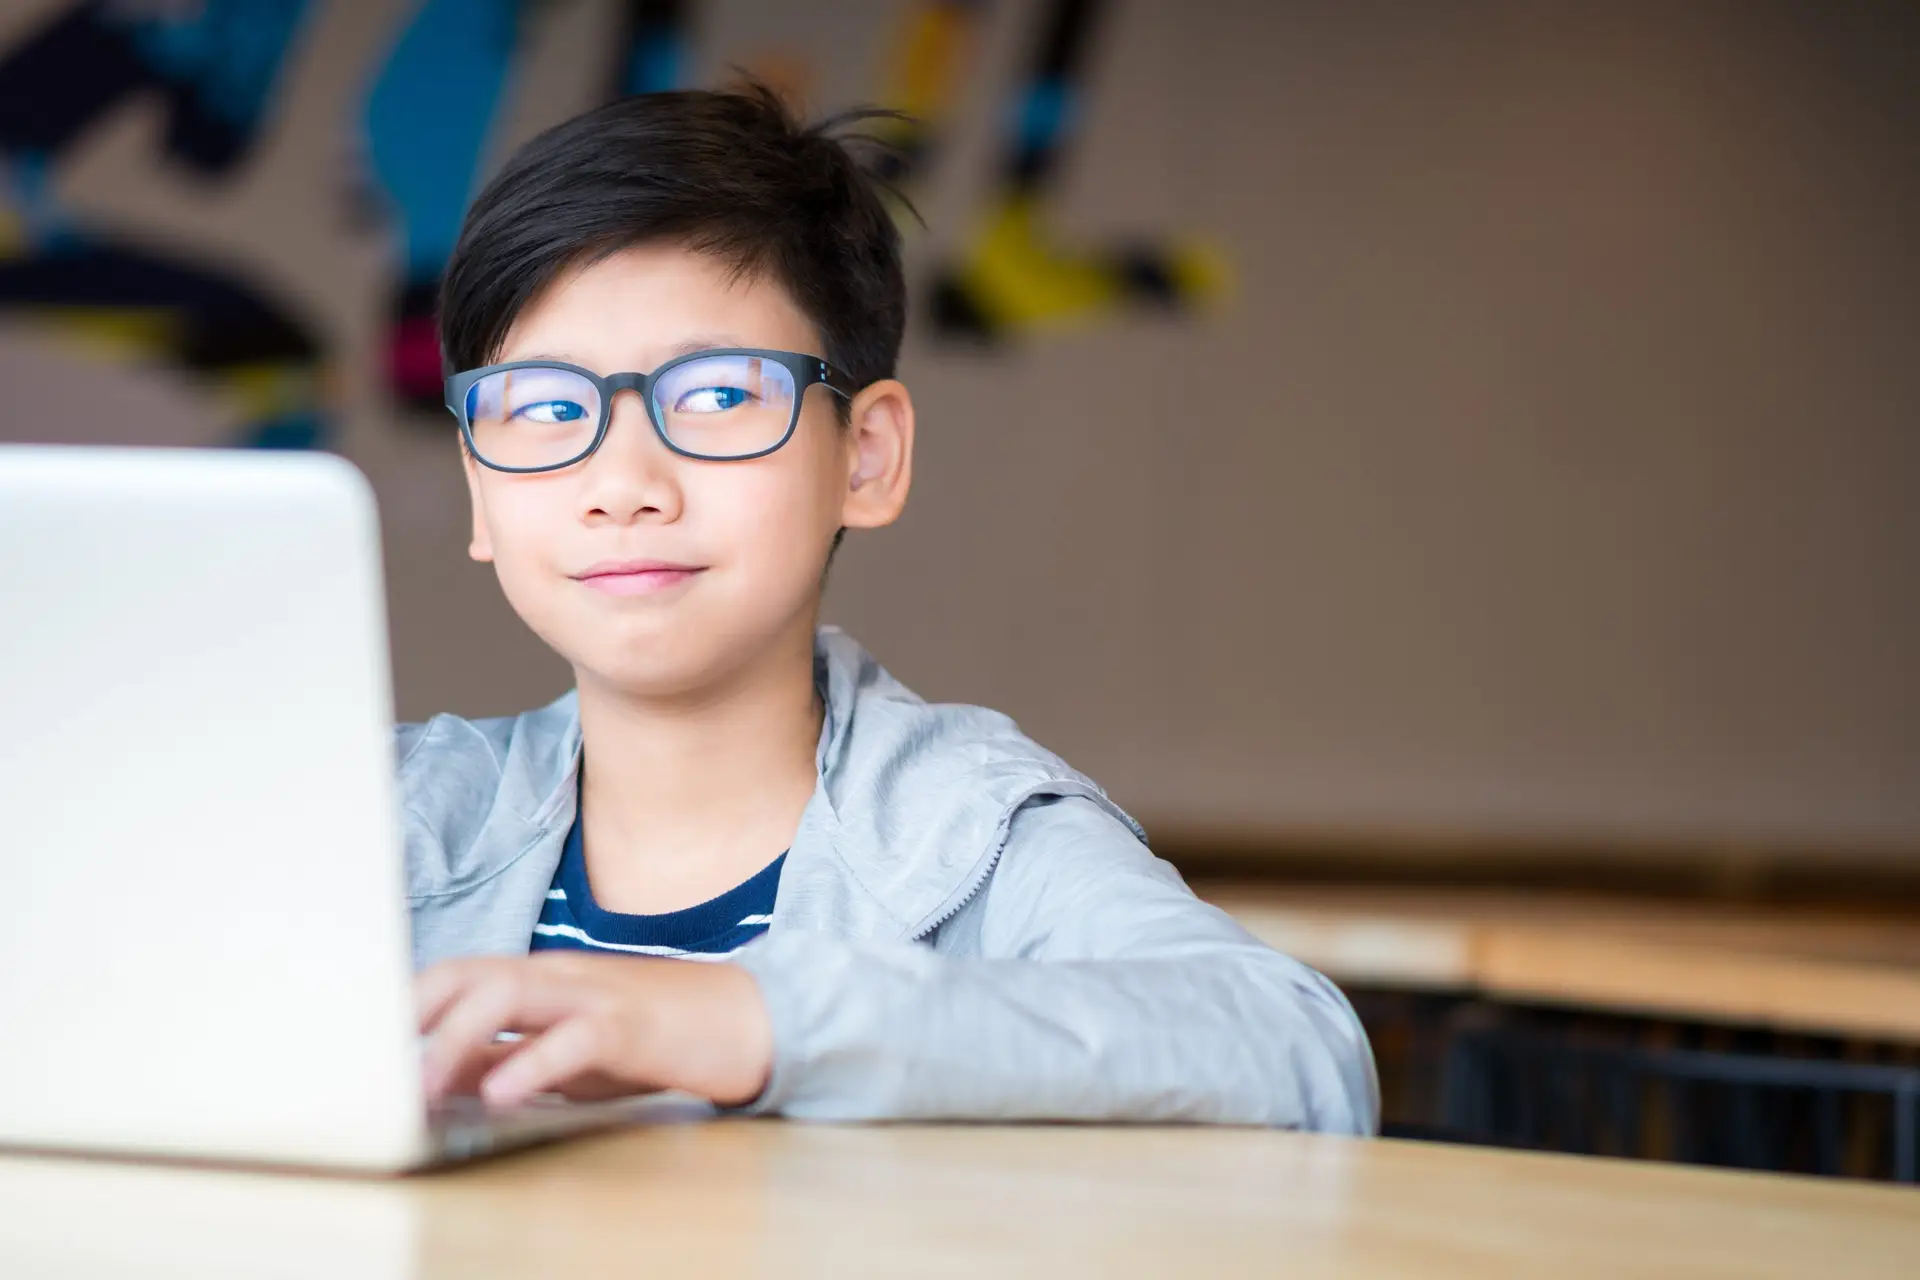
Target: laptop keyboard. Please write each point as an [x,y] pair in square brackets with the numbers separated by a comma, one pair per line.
[465,1127]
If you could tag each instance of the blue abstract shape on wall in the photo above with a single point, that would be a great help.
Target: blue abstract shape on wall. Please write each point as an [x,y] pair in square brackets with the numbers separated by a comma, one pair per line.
[429,117]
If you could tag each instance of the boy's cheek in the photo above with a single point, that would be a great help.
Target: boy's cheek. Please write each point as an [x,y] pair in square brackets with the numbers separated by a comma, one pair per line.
[535,595]
[786,528]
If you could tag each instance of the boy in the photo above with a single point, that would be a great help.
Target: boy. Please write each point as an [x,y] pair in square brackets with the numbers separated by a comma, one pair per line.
[905,911]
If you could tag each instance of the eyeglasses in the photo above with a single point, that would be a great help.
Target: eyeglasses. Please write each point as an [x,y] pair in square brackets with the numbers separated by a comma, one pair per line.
[726,404]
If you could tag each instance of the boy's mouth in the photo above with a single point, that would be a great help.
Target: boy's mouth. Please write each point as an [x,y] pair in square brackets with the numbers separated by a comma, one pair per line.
[636,577]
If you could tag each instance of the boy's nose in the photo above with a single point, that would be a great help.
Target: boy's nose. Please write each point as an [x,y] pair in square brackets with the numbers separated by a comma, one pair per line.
[633,475]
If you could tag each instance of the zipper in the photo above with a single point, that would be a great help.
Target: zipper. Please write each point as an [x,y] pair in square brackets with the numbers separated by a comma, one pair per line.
[976,881]
[983,869]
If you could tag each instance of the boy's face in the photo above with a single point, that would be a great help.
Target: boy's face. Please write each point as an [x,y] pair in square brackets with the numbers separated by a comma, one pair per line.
[748,540]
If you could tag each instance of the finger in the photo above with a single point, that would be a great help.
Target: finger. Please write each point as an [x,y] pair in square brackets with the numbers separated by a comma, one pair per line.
[598,1086]
[573,1048]
[510,999]
[435,989]
[473,1069]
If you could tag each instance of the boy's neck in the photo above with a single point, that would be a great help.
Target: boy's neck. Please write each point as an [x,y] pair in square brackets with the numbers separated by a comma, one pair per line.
[682,800]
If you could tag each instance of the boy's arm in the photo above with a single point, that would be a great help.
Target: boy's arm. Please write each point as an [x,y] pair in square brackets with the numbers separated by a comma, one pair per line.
[1106,991]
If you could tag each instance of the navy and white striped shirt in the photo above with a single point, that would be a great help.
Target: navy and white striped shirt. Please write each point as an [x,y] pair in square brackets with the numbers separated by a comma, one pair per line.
[572,921]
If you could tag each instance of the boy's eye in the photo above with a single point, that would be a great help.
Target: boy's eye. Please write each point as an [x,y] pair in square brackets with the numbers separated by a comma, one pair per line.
[551,411]
[711,399]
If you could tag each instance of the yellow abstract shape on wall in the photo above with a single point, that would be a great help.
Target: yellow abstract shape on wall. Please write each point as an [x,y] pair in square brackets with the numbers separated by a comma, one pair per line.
[927,56]
[115,333]
[1201,272]
[1019,280]
[269,390]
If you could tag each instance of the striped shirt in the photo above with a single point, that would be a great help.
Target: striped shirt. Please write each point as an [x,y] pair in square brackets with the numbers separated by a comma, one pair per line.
[571,920]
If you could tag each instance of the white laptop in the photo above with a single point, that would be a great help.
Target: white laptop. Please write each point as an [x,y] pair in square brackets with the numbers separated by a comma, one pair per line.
[203,930]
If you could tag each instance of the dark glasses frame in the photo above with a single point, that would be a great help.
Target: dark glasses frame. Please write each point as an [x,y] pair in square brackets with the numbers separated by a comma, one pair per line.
[805,369]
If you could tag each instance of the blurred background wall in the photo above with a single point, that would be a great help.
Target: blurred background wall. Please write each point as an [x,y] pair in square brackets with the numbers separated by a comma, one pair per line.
[1488,420]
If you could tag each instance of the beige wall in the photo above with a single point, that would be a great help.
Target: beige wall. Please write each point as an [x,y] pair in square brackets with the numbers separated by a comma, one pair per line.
[1549,473]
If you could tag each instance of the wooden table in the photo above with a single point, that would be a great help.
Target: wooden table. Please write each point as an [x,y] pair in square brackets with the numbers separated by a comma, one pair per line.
[1845,973]
[766,1198]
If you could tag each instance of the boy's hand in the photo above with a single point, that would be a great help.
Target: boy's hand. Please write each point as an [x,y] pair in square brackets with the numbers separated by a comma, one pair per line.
[594,1026]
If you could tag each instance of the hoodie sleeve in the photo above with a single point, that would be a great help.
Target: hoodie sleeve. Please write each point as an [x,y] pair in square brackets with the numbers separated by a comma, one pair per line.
[1084,982]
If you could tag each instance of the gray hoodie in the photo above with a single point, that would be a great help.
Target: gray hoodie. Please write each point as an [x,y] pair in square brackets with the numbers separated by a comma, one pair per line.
[965,929]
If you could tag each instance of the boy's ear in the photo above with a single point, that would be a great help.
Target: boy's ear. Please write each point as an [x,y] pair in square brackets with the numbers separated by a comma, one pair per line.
[481,545]
[879,455]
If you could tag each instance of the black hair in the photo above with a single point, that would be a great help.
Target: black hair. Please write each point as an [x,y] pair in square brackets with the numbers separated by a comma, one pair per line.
[728,173]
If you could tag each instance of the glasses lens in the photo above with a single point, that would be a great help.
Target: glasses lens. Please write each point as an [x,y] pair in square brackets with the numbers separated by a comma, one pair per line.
[725,406]
[535,417]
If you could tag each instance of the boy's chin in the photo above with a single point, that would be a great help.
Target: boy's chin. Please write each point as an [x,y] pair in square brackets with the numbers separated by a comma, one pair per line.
[699,647]
[654,676]
[663,669]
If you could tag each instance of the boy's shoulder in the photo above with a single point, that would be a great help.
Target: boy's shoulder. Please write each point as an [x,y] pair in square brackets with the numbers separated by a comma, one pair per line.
[461,780]
[881,737]
[489,751]
[923,793]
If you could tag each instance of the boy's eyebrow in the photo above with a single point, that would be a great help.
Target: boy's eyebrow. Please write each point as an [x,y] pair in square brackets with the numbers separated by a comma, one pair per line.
[705,342]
